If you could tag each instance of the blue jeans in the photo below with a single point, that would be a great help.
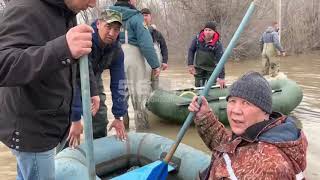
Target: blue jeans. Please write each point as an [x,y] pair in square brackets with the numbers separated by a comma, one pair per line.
[35,166]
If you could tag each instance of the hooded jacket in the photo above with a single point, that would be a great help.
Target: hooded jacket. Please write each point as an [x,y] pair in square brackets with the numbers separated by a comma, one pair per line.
[273,149]
[37,74]
[213,47]
[138,33]
[271,36]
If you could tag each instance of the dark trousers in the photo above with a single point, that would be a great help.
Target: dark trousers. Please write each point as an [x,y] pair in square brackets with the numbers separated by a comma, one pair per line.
[100,120]
[201,77]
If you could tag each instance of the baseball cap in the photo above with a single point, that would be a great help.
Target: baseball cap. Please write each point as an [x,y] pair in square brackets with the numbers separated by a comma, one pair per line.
[111,16]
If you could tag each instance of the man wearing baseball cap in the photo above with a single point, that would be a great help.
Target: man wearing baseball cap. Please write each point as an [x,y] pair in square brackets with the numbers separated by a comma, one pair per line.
[106,54]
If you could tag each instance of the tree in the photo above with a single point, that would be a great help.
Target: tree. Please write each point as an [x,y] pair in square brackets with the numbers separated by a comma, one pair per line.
[180,20]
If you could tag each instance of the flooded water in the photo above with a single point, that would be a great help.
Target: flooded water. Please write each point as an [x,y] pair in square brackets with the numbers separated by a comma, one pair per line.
[303,69]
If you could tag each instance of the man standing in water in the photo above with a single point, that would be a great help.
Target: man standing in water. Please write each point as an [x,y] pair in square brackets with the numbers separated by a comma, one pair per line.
[269,43]
[159,43]
[204,54]
[40,46]
[139,58]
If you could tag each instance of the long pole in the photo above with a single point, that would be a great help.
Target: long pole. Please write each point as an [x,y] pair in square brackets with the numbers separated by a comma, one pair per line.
[212,78]
[86,104]
[86,107]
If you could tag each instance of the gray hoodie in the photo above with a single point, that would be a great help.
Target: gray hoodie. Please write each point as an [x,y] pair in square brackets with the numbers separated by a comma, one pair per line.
[271,36]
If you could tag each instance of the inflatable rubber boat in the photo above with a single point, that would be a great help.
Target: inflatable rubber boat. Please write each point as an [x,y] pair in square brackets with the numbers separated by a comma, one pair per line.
[172,106]
[113,157]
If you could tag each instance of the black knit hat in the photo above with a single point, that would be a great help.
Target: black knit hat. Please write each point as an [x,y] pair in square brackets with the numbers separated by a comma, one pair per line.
[254,88]
[211,24]
[145,11]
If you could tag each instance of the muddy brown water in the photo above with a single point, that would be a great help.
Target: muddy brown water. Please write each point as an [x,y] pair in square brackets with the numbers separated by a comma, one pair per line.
[303,69]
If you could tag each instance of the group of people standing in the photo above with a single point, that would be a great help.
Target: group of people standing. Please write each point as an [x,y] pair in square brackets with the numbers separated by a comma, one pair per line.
[40,47]
[206,50]
[129,59]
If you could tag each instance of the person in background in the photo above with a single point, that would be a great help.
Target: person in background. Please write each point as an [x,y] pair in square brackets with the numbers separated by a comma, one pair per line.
[139,58]
[275,26]
[159,43]
[260,145]
[40,47]
[106,54]
[269,44]
[204,54]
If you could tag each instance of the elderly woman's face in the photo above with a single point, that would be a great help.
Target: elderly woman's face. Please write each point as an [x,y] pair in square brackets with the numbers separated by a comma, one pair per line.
[243,114]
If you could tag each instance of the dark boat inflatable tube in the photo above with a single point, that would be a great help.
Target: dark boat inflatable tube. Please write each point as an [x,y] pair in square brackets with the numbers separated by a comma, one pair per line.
[172,106]
[112,155]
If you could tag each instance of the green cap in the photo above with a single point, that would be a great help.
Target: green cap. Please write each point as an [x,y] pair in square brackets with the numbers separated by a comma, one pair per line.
[111,16]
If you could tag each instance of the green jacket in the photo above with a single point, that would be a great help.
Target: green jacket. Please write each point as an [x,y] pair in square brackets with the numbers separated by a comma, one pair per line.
[138,33]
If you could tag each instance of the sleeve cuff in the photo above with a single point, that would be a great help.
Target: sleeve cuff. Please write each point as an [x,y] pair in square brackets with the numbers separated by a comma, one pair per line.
[120,118]
[75,116]
[62,51]
[202,120]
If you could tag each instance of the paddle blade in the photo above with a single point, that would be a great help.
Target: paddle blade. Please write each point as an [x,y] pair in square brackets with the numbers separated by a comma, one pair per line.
[157,170]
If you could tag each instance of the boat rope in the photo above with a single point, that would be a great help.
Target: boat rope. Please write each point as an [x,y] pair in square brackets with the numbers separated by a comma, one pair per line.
[140,147]
[128,147]
[186,93]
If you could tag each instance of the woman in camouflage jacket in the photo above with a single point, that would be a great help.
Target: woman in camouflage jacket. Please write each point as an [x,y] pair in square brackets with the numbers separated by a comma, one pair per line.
[261,144]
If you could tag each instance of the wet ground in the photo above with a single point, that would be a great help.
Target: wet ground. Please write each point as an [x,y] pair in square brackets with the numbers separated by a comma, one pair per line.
[303,69]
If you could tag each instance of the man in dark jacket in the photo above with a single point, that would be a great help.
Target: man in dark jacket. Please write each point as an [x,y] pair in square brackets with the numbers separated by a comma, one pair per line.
[159,43]
[39,50]
[204,54]
[106,54]
[140,58]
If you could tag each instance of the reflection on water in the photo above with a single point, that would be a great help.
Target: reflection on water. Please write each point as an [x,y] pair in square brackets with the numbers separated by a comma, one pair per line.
[302,69]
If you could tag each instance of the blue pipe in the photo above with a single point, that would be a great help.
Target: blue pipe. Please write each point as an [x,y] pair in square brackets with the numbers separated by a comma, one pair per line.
[229,49]
[86,104]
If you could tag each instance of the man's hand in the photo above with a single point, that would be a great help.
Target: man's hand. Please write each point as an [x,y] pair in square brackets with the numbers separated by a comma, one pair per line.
[195,107]
[164,66]
[191,69]
[156,72]
[283,53]
[221,82]
[95,104]
[74,134]
[79,40]
[118,125]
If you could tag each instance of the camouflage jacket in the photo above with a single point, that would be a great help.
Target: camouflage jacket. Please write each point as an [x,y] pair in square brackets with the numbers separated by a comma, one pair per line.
[273,149]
